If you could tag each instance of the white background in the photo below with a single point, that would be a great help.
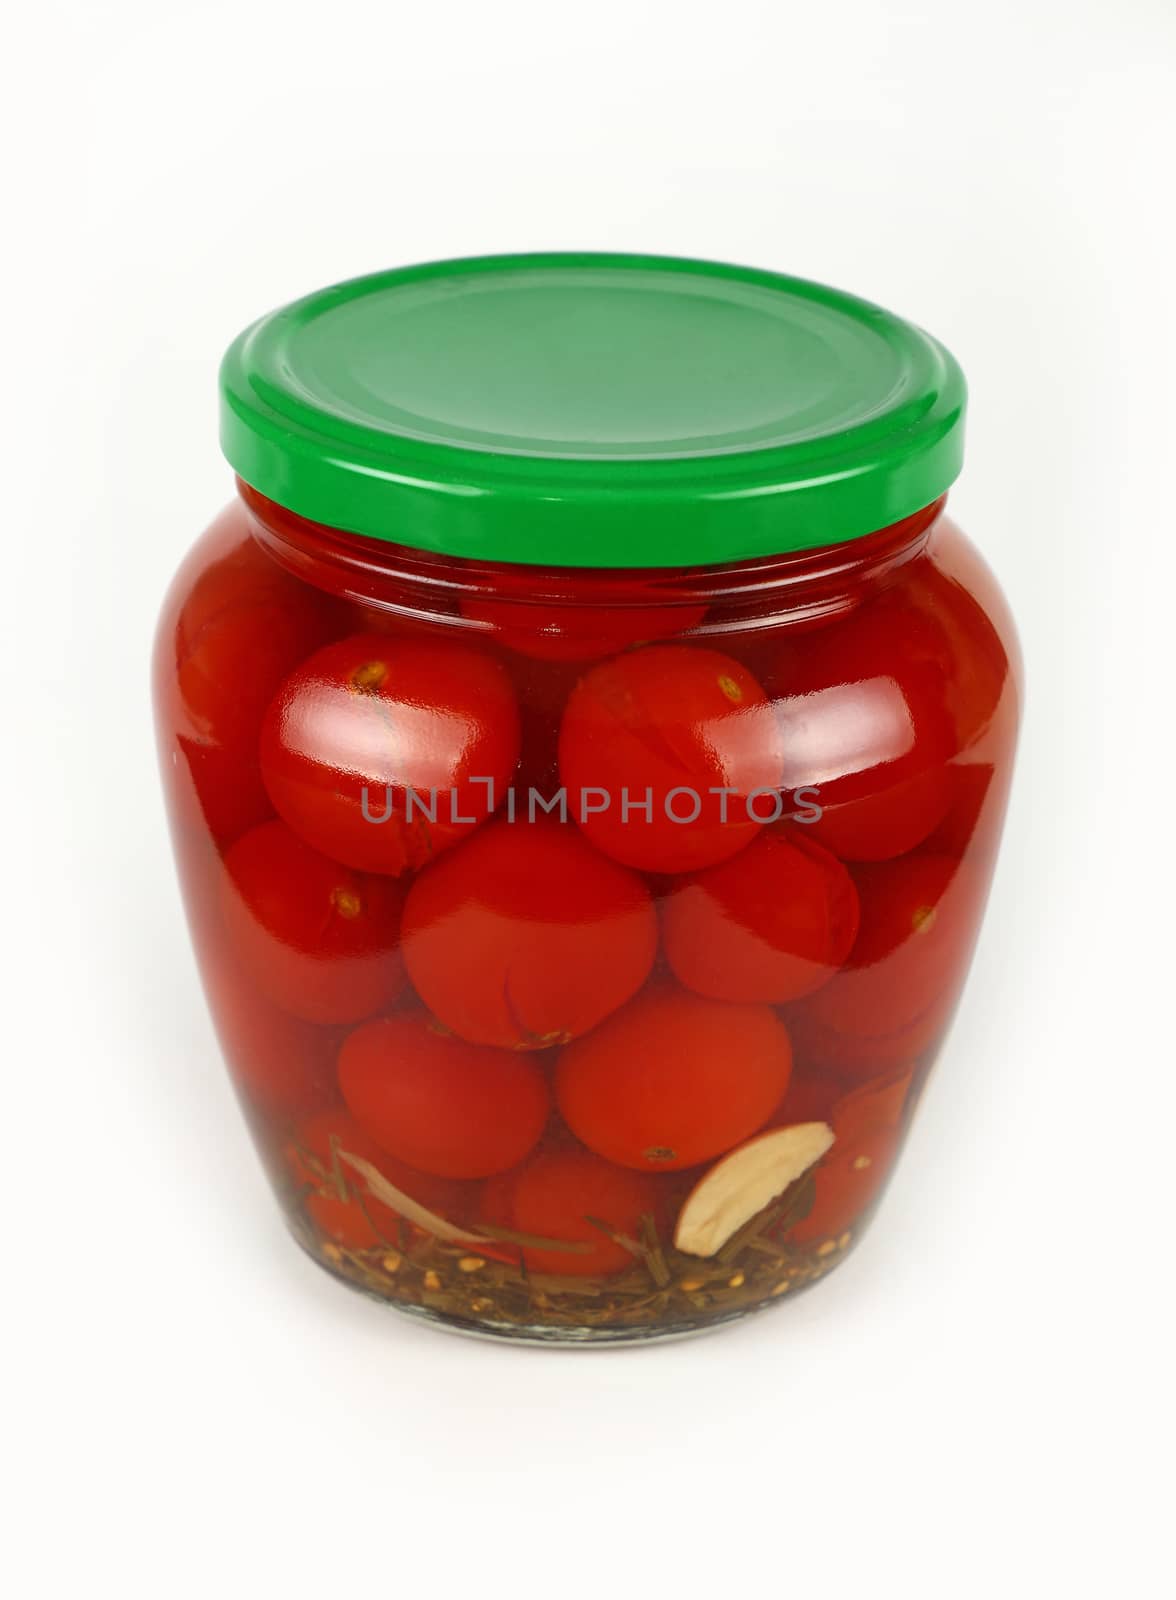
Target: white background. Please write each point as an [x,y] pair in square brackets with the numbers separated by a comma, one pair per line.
[981,1401]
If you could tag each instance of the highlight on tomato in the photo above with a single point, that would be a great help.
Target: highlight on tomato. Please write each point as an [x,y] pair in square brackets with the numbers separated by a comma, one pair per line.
[382,752]
[865,721]
[671,757]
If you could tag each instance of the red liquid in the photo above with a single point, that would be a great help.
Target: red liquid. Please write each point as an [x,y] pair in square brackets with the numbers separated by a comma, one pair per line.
[527,900]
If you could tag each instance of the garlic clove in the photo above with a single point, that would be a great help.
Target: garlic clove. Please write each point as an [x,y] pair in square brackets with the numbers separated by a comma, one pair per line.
[744,1182]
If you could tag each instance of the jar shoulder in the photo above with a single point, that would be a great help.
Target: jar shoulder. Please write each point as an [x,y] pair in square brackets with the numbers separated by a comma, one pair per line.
[960,564]
[224,555]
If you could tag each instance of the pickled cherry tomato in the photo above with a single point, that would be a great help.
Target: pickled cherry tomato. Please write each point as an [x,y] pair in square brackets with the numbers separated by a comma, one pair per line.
[811,1097]
[282,1065]
[867,1126]
[671,757]
[245,624]
[847,1183]
[967,628]
[554,1195]
[961,828]
[318,939]
[673,1079]
[879,1102]
[338,1200]
[525,937]
[898,988]
[773,923]
[865,722]
[896,819]
[381,752]
[335,1198]
[444,1106]
[846,1104]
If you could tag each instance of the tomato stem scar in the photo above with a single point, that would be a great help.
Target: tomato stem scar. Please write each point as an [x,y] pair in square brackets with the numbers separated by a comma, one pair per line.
[368,678]
[346,903]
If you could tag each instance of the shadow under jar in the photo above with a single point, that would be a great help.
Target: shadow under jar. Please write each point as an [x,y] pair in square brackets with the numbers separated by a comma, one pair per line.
[586,742]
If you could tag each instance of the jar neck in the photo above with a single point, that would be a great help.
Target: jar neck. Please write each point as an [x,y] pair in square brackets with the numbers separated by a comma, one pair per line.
[801,586]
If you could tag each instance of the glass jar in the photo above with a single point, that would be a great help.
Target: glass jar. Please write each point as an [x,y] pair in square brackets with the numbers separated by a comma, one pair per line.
[586,742]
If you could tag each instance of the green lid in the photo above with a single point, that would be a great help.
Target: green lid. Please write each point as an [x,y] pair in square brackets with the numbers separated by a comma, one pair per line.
[593,411]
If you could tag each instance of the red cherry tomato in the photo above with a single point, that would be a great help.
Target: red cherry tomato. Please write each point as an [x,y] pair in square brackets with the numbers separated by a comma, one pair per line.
[967,632]
[847,1182]
[899,986]
[673,1079]
[243,627]
[866,724]
[317,938]
[811,1097]
[879,1102]
[773,923]
[335,1199]
[339,1202]
[819,1096]
[495,1200]
[888,823]
[525,937]
[456,1109]
[645,740]
[554,1195]
[283,1066]
[970,824]
[868,1125]
[225,786]
[382,752]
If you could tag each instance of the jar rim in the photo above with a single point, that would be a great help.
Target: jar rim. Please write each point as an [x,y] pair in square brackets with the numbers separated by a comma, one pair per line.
[593,410]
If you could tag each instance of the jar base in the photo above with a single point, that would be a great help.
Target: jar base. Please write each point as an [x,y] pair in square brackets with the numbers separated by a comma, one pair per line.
[567,1337]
